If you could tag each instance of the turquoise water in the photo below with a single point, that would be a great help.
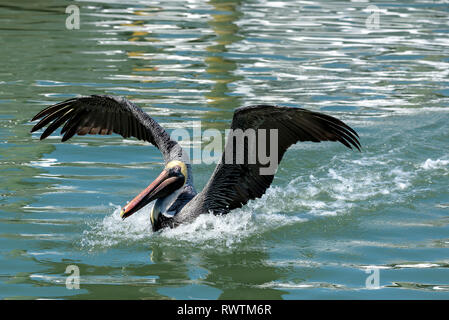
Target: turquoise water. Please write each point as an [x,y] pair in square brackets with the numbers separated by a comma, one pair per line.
[332,215]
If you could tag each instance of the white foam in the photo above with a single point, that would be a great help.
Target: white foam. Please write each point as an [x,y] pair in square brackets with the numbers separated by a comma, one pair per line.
[434,164]
[112,230]
[207,230]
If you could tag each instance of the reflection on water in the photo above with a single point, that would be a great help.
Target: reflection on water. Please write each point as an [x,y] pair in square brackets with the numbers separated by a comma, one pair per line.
[220,68]
[330,215]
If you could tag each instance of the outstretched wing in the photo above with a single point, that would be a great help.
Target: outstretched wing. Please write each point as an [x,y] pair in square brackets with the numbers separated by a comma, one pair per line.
[103,114]
[232,185]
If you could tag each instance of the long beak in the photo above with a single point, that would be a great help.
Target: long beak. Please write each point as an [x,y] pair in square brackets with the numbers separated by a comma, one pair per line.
[161,187]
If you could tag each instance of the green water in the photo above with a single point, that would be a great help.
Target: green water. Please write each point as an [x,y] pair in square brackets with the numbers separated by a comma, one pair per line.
[331,214]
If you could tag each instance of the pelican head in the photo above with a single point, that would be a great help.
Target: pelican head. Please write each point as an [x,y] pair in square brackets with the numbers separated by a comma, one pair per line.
[166,188]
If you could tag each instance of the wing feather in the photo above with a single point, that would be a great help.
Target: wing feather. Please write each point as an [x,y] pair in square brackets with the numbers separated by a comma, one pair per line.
[233,185]
[103,114]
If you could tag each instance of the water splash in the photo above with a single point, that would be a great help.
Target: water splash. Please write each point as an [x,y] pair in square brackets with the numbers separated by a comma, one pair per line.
[207,230]
[333,189]
[430,164]
[112,231]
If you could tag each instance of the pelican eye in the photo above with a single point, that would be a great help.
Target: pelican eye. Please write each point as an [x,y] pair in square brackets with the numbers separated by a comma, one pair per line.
[175,170]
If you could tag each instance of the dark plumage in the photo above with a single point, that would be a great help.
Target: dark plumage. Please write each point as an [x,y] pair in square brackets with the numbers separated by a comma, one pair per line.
[231,185]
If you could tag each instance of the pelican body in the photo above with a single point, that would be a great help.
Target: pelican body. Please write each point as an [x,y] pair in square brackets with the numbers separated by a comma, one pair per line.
[231,185]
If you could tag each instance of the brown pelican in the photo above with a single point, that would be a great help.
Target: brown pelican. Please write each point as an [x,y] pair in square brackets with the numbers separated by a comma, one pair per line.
[231,185]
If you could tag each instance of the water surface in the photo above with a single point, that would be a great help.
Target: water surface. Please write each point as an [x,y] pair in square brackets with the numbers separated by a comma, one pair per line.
[331,214]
